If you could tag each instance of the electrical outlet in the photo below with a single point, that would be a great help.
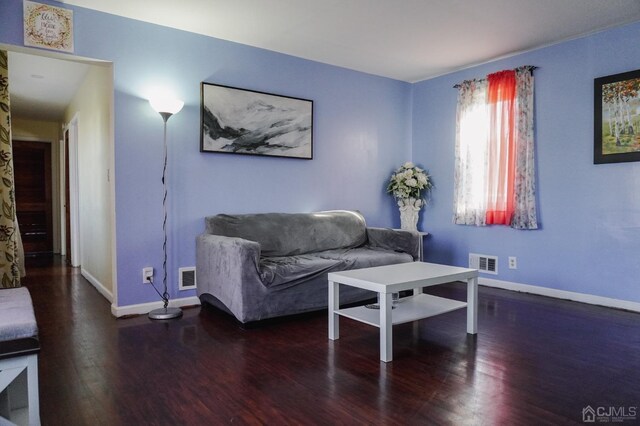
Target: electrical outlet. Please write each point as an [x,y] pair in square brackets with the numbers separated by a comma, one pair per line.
[513,262]
[147,275]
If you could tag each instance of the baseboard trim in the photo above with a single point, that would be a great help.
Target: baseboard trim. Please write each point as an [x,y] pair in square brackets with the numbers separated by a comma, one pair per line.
[97,284]
[144,308]
[561,294]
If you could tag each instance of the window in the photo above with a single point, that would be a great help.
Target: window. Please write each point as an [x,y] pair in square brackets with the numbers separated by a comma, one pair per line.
[494,165]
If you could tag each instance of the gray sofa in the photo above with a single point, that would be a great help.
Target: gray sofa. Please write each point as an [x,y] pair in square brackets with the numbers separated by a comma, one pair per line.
[258,266]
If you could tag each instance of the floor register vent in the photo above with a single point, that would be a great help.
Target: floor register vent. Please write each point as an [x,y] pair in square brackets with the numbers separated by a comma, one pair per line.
[187,278]
[484,263]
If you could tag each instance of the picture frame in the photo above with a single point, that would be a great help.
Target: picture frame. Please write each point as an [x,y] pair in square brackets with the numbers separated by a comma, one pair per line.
[617,118]
[48,27]
[241,121]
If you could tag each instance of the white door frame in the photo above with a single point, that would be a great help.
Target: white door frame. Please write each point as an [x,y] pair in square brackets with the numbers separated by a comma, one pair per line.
[62,161]
[74,191]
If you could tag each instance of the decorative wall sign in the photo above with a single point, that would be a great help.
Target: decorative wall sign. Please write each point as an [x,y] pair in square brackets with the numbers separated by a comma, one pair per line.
[617,118]
[48,26]
[239,121]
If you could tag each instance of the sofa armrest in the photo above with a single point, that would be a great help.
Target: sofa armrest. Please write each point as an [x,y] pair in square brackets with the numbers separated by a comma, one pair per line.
[228,269]
[396,240]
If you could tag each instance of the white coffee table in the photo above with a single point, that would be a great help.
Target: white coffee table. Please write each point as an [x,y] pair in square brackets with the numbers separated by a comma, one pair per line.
[386,280]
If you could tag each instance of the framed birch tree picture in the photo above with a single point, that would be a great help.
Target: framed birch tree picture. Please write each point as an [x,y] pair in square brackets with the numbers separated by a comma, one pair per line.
[617,118]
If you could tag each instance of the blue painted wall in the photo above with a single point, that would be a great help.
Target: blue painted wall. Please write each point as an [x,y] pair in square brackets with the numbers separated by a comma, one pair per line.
[364,127]
[361,133]
[589,241]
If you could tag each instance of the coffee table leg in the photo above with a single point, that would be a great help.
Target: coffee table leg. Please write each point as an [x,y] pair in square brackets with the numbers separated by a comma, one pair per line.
[334,303]
[472,305]
[386,327]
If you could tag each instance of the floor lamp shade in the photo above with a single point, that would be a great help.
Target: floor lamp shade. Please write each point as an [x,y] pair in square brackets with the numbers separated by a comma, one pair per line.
[166,107]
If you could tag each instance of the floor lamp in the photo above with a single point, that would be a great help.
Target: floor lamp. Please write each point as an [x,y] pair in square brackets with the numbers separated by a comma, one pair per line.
[166,108]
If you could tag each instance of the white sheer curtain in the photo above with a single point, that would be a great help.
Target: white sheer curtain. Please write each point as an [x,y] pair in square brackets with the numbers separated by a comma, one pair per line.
[472,132]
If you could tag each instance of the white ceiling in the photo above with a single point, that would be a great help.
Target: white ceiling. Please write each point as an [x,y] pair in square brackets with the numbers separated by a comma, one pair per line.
[42,87]
[408,40]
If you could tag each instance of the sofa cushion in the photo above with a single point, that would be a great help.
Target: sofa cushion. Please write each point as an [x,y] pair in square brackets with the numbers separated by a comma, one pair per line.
[365,257]
[288,234]
[292,270]
[17,320]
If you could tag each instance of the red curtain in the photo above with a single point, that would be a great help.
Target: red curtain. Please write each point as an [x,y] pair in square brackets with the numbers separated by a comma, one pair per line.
[501,148]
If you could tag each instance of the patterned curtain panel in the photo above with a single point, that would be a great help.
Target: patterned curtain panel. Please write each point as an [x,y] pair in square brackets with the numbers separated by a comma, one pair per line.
[9,258]
[524,215]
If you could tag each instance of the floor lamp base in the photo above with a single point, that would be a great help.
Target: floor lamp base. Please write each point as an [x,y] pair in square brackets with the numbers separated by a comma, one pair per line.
[165,313]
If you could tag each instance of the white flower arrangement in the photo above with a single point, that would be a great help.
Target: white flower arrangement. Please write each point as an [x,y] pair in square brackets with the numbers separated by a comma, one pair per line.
[408,183]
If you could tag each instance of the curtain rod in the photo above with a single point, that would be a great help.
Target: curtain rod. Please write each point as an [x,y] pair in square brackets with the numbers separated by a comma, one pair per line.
[529,67]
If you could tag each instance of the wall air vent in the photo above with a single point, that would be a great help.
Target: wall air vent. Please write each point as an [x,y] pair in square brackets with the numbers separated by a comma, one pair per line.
[187,278]
[484,263]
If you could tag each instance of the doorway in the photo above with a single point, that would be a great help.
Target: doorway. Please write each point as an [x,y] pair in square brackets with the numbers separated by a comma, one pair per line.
[34,207]
[71,195]
[67,201]
[49,97]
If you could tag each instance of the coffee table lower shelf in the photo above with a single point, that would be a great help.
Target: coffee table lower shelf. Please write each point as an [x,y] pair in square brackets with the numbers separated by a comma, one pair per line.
[408,309]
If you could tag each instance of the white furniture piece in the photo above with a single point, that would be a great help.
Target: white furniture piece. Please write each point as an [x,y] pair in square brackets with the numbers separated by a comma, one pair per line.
[422,235]
[386,280]
[19,347]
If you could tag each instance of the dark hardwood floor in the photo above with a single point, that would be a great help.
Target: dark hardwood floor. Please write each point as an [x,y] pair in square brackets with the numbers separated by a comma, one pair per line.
[535,361]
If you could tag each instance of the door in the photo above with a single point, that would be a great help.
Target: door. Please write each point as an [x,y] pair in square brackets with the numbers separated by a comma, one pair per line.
[32,169]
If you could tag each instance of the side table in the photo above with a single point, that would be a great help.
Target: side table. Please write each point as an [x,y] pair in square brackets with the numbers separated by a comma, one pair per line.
[423,235]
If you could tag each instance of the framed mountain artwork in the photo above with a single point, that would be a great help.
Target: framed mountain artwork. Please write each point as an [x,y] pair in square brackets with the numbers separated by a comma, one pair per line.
[238,121]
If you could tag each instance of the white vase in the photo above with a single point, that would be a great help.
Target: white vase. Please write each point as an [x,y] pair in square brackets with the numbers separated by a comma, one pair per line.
[409,212]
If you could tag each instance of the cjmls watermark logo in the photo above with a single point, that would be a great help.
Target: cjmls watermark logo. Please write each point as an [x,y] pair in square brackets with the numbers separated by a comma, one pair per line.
[609,414]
